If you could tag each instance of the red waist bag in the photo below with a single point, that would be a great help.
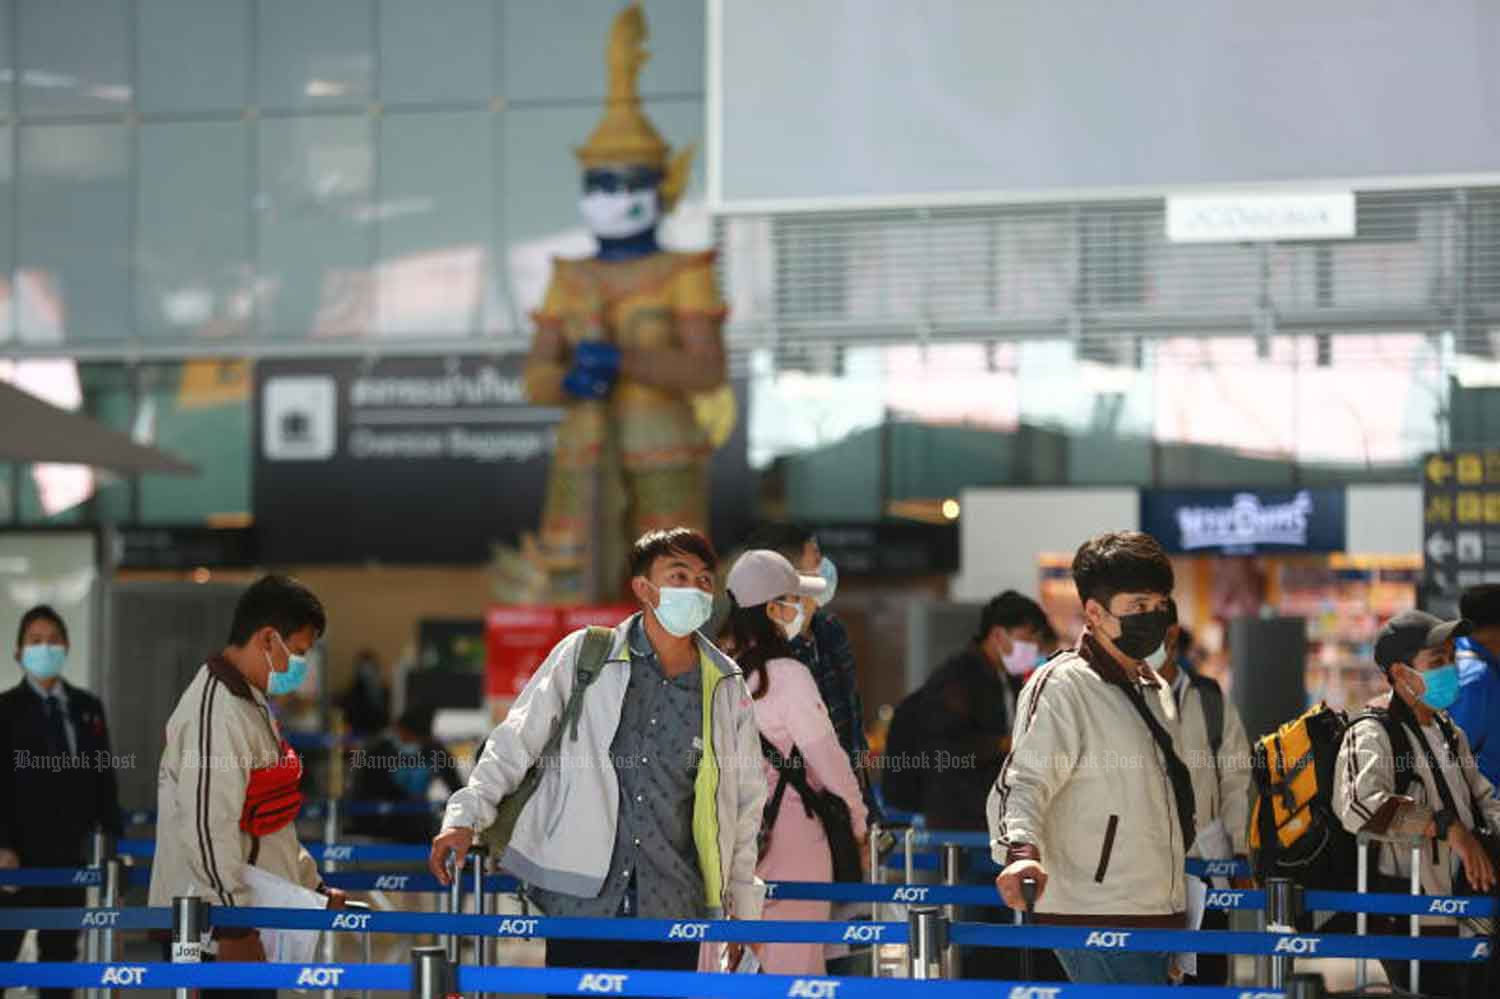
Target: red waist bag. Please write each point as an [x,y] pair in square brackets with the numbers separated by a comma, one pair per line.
[274,796]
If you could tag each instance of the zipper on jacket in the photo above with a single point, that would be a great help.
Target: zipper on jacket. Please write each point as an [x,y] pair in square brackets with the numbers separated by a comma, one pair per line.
[1108,848]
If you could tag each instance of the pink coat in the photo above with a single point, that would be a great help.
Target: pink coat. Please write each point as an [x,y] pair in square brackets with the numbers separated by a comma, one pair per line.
[792,712]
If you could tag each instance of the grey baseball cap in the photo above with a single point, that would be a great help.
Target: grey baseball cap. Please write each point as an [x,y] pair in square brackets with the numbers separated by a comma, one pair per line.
[1409,632]
[760,576]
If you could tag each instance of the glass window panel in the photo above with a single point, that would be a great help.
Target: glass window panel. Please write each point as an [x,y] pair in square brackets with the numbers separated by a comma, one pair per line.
[193,275]
[541,190]
[73,234]
[193,56]
[554,49]
[7,241]
[436,223]
[7,98]
[315,243]
[199,411]
[315,54]
[432,52]
[74,58]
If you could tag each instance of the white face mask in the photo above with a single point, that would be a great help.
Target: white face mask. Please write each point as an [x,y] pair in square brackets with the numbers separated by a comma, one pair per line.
[619,215]
[682,610]
[1021,658]
[793,628]
[1158,659]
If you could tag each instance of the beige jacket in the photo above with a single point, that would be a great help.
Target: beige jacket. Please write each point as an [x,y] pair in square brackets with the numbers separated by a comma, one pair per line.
[220,730]
[1086,792]
[1221,784]
[1364,796]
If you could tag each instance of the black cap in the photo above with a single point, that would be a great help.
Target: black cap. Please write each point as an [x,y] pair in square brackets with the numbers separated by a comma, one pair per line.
[1481,604]
[1410,632]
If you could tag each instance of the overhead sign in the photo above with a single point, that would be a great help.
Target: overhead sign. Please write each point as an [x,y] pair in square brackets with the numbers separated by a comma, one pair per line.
[1198,218]
[1245,522]
[1460,525]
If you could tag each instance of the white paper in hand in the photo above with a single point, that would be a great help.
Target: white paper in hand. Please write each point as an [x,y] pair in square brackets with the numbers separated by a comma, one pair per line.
[267,891]
[1197,899]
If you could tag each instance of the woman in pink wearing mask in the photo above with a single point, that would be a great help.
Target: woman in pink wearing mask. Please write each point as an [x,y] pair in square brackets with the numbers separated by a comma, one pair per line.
[769,602]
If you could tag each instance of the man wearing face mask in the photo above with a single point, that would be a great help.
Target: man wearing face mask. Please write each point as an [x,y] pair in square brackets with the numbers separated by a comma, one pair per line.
[1094,804]
[627,341]
[229,786]
[654,806]
[1406,774]
[970,708]
[54,748]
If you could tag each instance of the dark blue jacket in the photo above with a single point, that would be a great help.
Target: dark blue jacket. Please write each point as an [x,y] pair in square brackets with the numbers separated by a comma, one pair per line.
[1477,709]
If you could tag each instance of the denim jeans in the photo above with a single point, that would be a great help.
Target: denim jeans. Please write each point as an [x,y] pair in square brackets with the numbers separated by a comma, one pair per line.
[1095,967]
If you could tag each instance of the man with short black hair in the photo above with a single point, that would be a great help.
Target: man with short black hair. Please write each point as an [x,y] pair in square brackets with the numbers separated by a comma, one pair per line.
[652,806]
[229,786]
[1477,710]
[1406,776]
[1094,805]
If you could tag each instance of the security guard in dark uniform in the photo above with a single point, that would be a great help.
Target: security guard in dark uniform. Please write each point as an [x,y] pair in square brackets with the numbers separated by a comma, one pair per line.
[57,779]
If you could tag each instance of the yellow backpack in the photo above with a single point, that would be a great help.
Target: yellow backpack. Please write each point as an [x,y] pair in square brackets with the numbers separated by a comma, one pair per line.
[1294,832]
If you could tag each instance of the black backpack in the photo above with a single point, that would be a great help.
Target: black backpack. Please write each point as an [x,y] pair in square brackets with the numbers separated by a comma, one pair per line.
[900,775]
[831,811]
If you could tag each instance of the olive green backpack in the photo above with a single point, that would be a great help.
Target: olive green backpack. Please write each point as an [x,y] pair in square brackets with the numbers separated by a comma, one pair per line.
[596,645]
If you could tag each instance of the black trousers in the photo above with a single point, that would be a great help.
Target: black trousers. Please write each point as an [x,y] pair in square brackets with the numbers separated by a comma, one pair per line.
[1005,964]
[1213,969]
[53,945]
[633,955]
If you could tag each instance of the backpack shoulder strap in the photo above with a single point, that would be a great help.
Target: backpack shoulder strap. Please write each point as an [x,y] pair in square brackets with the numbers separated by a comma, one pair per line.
[1213,709]
[591,656]
[1400,744]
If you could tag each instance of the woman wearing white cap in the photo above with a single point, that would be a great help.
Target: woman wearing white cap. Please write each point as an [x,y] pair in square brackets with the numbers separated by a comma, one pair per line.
[767,609]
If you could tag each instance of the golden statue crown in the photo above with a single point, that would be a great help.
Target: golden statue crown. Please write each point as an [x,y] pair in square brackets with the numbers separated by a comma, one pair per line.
[625,136]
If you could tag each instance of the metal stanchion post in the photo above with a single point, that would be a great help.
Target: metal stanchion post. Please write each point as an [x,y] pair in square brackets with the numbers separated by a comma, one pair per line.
[476,858]
[911,851]
[1416,920]
[114,877]
[366,948]
[189,924]
[98,851]
[455,906]
[1362,919]
[952,876]
[330,838]
[1281,910]
[1306,987]
[927,937]
[877,876]
[432,976]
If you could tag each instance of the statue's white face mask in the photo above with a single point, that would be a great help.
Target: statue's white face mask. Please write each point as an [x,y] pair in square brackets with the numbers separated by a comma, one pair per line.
[619,214]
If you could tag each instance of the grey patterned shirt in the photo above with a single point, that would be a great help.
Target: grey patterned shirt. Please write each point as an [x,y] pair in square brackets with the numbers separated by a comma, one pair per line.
[653,872]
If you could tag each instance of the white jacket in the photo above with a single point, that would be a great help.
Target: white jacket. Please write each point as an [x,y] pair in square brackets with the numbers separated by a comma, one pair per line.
[1221,785]
[564,838]
[220,730]
[1085,791]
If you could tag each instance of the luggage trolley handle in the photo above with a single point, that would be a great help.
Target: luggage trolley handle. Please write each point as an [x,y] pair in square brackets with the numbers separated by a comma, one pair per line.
[1027,917]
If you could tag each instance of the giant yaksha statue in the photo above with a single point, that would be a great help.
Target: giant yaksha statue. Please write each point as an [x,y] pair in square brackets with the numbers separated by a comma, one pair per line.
[627,341]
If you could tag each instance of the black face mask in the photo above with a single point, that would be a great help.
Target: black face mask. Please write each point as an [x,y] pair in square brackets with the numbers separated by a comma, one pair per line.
[1142,634]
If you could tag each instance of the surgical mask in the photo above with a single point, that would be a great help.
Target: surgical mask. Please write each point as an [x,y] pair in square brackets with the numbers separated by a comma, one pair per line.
[289,679]
[1157,659]
[682,610]
[1140,634]
[619,214]
[44,661]
[1442,687]
[830,574]
[793,628]
[1021,658]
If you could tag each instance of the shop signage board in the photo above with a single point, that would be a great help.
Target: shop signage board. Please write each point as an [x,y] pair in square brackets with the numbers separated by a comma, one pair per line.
[1245,522]
[418,460]
[1460,524]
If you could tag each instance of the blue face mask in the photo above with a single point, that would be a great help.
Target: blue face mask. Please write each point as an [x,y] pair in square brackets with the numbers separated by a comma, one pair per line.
[830,574]
[1442,687]
[682,610]
[44,661]
[289,680]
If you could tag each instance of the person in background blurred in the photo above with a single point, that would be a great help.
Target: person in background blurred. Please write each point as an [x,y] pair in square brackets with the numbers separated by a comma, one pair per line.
[823,646]
[57,779]
[969,710]
[1477,710]
[367,702]
[1049,643]
[767,609]
[1217,754]
[400,767]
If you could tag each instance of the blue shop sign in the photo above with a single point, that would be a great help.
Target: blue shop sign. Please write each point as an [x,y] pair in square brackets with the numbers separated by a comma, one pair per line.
[1245,522]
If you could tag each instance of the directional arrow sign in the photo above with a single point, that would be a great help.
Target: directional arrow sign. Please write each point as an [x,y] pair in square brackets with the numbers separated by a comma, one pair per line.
[1439,469]
[1439,547]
